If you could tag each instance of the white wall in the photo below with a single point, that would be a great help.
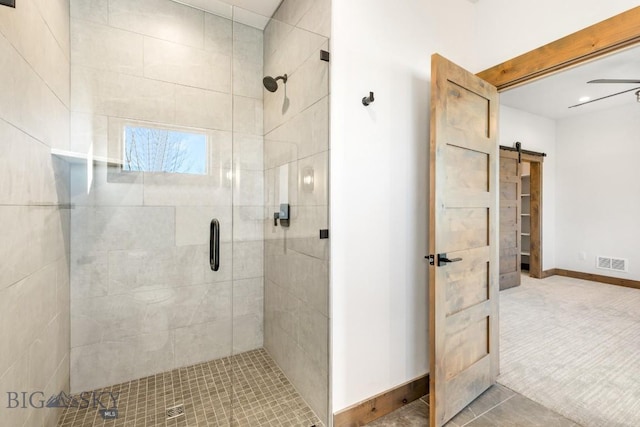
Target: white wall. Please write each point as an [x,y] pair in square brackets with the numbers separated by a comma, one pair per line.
[507,28]
[598,183]
[379,185]
[536,133]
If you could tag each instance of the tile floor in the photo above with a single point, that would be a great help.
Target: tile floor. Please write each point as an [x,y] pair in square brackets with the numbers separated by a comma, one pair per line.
[497,407]
[242,390]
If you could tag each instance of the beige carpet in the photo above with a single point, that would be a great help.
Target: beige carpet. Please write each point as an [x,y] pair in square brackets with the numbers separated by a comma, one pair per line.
[574,347]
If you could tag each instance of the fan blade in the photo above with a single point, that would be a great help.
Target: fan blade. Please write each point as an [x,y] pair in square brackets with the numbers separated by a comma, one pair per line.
[604,97]
[615,81]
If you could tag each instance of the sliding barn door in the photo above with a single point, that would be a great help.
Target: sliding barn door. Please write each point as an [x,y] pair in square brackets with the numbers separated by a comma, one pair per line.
[463,239]
[510,194]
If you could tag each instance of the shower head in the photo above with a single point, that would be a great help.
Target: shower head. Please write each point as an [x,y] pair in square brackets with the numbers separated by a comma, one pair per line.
[271,84]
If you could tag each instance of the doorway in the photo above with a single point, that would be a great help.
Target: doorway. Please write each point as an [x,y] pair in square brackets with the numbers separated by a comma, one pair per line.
[520,215]
[571,50]
[574,312]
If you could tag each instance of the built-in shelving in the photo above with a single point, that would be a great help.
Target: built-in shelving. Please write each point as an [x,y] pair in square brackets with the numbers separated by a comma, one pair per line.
[525,219]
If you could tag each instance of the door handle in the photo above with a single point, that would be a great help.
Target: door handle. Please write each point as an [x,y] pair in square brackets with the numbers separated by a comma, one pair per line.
[442,260]
[214,245]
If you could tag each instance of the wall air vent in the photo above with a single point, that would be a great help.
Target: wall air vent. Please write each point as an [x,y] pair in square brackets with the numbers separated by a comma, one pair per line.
[619,264]
[613,264]
[604,263]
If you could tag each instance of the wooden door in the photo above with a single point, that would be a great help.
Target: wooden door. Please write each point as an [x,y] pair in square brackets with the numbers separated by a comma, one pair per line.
[510,209]
[463,294]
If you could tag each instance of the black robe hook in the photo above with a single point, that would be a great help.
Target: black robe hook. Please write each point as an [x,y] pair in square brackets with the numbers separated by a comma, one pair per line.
[368,99]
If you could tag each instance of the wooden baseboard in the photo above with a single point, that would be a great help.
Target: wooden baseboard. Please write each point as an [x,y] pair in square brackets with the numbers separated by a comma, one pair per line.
[548,273]
[628,283]
[382,404]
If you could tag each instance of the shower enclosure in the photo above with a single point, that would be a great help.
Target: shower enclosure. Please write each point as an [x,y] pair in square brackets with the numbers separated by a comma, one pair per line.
[191,294]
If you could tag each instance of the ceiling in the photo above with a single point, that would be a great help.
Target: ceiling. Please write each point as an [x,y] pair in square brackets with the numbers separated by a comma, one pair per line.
[261,7]
[251,12]
[551,96]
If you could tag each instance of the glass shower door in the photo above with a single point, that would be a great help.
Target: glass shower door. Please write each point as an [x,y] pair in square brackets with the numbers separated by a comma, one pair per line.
[150,318]
[146,302]
[281,284]
[189,157]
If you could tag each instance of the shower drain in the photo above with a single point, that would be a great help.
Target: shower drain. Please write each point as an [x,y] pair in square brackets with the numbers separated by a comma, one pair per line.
[175,412]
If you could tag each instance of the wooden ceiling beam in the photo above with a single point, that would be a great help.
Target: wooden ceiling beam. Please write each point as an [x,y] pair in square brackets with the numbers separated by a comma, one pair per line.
[612,34]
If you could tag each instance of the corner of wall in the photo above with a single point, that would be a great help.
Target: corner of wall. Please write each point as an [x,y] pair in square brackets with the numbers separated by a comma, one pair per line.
[34,208]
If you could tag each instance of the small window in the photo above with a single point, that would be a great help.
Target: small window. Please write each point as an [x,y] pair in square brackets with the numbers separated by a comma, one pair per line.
[162,150]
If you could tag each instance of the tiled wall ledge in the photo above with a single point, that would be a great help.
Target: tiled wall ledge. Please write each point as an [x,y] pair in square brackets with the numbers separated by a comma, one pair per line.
[81,158]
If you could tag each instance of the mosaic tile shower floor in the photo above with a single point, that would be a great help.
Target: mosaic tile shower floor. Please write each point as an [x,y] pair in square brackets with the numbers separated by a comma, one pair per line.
[247,389]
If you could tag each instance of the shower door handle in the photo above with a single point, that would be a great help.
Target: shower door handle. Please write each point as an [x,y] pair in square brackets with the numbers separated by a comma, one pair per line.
[214,245]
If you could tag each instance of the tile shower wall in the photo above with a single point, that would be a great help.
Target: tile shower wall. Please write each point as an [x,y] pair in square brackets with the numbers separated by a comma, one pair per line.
[143,298]
[296,121]
[34,214]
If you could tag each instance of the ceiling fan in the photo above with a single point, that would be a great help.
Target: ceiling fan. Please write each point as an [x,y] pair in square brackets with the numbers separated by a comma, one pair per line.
[615,81]
[626,81]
